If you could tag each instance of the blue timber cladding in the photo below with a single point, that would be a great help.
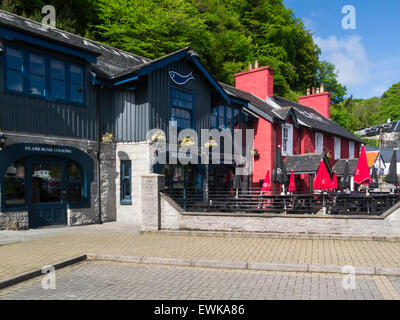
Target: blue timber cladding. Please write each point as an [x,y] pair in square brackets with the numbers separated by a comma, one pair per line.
[37,115]
[125,112]
[159,90]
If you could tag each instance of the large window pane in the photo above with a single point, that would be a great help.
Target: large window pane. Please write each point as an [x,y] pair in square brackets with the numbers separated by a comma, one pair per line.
[15,59]
[37,85]
[76,74]
[46,183]
[15,80]
[15,184]
[36,65]
[76,93]
[57,70]
[74,182]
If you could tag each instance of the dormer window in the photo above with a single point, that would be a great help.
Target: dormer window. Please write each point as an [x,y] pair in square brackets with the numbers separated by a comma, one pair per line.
[39,75]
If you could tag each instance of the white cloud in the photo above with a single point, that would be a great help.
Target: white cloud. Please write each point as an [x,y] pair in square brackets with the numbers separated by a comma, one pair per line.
[349,57]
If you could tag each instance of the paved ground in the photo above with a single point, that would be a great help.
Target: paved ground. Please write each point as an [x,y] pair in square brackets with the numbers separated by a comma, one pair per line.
[110,280]
[16,258]
[7,236]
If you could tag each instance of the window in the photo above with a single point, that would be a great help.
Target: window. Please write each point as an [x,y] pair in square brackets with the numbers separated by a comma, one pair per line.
[76,86]
[319,143]
[39,75]
[126,182]
[15,69]
[36,75]
[337,148]
[287,140]
[15,184]
[225,117]
[181,108]
[74,182]
[351,149]
[57,79]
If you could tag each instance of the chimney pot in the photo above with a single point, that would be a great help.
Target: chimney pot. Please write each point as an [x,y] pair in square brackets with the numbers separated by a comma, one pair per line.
[308,91]
[322,88]
[250,66]
[317,90]
[256,65]
[313,90]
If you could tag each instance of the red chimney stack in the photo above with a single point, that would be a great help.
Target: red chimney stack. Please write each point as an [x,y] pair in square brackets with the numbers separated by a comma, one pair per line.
[318,100]
[258,81]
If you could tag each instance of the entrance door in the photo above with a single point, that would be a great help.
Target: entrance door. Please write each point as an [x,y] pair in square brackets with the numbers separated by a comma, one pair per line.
[48,189]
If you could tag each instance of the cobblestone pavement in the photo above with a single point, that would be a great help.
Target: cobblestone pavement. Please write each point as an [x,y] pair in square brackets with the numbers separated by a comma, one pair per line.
[111,280]
[17,258]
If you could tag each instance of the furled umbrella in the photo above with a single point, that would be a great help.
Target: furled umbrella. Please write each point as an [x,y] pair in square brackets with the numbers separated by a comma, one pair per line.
[362,175]
[346,179]
[374,179]
[292,185]
[279,175]
[392,175]
[334,182]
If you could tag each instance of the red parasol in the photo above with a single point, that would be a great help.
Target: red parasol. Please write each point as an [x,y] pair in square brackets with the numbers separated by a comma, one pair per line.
[362,175]
[292,185]
[267,183]
[322,180]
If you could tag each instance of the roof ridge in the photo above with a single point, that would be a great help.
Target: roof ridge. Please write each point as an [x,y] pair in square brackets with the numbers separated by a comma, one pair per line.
[72,34]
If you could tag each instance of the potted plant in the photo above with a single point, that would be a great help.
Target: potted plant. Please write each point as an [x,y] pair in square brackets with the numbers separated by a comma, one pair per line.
[158,136]
[108,138]
[211,144]
[187,142]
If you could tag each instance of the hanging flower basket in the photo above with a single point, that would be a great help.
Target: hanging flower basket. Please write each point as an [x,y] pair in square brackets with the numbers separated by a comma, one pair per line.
[108,138]
[255,153]
[211,144]
[187,142]
[158,136]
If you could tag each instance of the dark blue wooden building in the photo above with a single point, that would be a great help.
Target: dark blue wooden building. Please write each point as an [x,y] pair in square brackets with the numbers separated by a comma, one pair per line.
[60,93]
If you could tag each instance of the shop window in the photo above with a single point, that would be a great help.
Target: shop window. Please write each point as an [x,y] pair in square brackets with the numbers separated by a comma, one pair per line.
[46,183]
[40,75]
[351,149]
[126,182]
[75,182]
[15,185]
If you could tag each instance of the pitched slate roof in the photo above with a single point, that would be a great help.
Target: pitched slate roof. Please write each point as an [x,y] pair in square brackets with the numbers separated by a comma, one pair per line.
[110,61]
[339,166]
[313,119]
[386,128]
[306,163]
[251,98]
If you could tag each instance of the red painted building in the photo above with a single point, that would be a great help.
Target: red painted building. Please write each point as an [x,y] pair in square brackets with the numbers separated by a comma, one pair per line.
[300,129]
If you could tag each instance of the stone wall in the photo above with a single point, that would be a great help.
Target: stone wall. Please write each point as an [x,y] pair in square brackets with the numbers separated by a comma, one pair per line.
[75,216]
[139,155]
[174,218]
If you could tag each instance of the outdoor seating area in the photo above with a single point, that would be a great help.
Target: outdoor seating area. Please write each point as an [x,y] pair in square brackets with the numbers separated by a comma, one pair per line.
[329,196]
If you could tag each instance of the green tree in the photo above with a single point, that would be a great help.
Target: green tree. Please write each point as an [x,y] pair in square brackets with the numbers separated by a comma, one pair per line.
[326,75]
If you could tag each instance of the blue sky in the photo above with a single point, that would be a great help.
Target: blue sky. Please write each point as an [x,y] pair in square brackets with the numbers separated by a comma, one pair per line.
[367,58]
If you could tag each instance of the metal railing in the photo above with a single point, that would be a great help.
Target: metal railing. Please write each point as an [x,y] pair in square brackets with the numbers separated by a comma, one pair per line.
[335,203]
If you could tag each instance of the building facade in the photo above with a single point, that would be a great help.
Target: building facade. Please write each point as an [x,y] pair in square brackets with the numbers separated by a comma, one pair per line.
[75,118]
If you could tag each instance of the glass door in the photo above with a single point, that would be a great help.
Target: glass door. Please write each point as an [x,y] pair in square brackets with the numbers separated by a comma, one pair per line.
[48,190]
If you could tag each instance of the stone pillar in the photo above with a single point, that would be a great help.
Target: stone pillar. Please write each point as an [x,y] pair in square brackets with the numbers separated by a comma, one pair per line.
[152,184]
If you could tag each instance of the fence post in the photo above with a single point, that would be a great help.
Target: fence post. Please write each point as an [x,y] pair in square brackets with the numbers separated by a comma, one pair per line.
[152,184]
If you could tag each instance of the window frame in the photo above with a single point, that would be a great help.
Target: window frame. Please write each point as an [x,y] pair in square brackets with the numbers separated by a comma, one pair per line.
[126,199]
[337,147]
[173,106]
[47,76]
[317,150]
[353,148]
[289,146]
